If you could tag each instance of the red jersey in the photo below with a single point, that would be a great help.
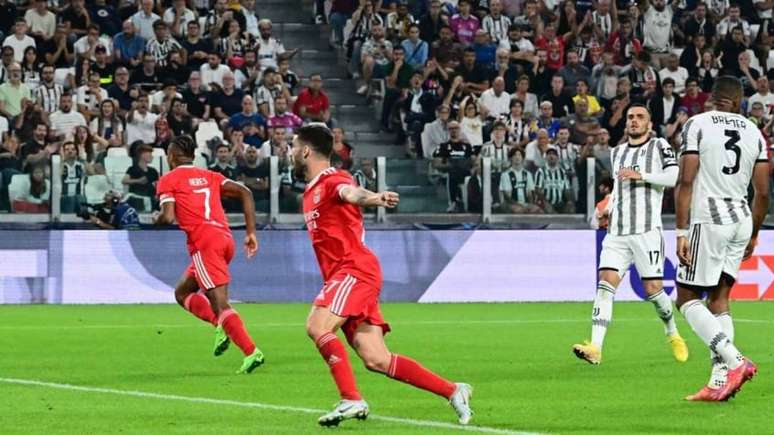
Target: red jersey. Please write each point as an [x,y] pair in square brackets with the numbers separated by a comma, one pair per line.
[314,104]
[336,229]
[196,193]
[555,49]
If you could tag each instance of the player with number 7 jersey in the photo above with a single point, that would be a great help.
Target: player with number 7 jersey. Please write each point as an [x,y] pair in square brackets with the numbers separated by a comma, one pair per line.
[192,197]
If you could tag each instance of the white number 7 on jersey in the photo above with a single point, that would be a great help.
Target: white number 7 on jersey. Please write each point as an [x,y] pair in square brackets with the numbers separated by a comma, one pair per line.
[206,192]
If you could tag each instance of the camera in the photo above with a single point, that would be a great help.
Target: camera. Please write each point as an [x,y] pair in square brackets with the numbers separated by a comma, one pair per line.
[103,211]
[85,210]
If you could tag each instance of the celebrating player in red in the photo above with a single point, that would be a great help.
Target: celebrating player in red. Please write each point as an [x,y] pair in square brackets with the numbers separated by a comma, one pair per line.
[352,278]
[191,196]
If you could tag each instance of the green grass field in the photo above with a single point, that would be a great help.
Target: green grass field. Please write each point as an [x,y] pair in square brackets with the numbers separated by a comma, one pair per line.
[516,356]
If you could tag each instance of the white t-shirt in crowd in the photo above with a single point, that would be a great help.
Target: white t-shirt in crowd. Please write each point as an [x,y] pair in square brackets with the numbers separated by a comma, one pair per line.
[141,127]
[65,123]
[18,45]
[210,75]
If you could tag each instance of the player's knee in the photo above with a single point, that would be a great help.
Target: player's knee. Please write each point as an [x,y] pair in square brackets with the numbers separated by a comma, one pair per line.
[314,331]
[377,363]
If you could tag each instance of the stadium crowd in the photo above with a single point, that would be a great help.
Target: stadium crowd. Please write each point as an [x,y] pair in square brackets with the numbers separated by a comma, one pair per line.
[537,85]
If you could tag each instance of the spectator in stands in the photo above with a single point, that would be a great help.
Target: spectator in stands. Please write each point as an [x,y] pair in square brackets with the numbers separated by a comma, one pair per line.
[179,121]
[464,24]
[517,186]
[699,24]
[226,101]
[8,13]
[485,49]
[663,106]
[19,41]
[37,150]
[541,75]
[455,158]
[176,69]
[416,49]
[747,74]
[644,79]
[107,126]
[763,96]
[397,79]
[288,78]
[437,132]
[233,41]
[161,100]
[177,18]
[495,23]
[31,69]
[582,93]
[140,122]
[673,130]
[119,90]
[363,20]
[312,103]
[103,66]
[248,115]
[48,93]
[418,106]
[601,151]
[282,118]
[657,29]
[707,72]
[255,175]
[693,99]
[105,16]
[545,120]
[554,44]
[144,19]
[141,179]
[431,23]
[445,49]
[471,123]
[573,71]
[198,48]
[269,48]
[730,49]
[89,97]
[266,93]
[623,44]
[196,98]
[614,120]
[497,149]
[89,146]
[15,96]
[520,49]
[86,46]
[535,151]
[375,55]
[224,162]
[474,186]
[277,138]
[161,43]
[677,73]
[580,124]
[398,22]
[553,185]
[73,178]
[64,120]
[41,21]
[528,99]
[147,77]
[36,200]
[732,21]
[213,71]
[365,176]
[216,18]
[342,149]
[561,102]
[128,46]
[475,78]
[691,57]
[517,125]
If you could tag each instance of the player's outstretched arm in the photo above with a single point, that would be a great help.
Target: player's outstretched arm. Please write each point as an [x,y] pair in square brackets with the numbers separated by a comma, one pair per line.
[689,167]
[167,214]
[232,189]
[365,198]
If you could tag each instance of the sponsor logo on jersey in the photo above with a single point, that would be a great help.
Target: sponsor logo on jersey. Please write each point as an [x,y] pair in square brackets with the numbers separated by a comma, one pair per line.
[316,196]
[197,181]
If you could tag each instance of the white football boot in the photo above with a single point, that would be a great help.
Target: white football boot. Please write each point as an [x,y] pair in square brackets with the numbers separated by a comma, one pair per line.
[460,401]
[345,410]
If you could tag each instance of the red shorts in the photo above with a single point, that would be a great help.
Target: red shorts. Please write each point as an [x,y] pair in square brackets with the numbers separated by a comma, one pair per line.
[210,257]
[356,300]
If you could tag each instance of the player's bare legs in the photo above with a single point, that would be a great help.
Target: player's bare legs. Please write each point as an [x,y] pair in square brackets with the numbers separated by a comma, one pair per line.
[601,315]
[321,326]
[654,288]
[711,331]
[231,323]
[188,296]
[368,341]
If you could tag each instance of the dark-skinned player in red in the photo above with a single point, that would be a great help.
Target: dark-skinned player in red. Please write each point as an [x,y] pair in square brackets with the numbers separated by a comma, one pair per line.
[349,299]
[191,196]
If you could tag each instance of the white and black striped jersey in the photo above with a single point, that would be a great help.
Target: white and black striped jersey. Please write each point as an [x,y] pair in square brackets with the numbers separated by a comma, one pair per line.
[604,22]
[517,185]
[568,157]
[499,155]
[728,146]
[553,182]
[160,49]
[73,177]
[268,50]
[635,205]
[48,98]
[497,27]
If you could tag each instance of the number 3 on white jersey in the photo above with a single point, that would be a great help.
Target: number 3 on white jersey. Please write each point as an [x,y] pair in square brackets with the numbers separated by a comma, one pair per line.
[206,192]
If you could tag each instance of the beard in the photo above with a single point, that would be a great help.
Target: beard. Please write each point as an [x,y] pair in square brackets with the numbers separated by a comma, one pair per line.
[637,135]
[299,169]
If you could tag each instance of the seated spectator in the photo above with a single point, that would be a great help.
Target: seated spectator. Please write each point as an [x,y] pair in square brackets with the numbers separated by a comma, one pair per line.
[178,17]
[176,69]
[107,127]
[86,46]
[690,58]
[546,121]
[288,78]
[120,91]
[226,101]
[734,20]
[223,162]
[436,132]
[196,98]
[105,16]
[497,149]
[233,41]
[363,20]
[15,96]
[213,71]
[103,66]
[36,200]
[19,40]
[747,74]
[455,158]
[312,103]
[73,178]
[674,71]
[418,106]
[179,121]
[141,180]
[535,151]
[495,23]
[520,49]
[763,96]
[517,186]
[268,47]
[472,124]
[253,134]
[37,150]
[141,123]
[270,89]
[582,93]
[282,118]
[553,185]
[248,115]
[464,24]
[580,124]
[431,23]
[416,49]
[693,99]
[161,100]
[31,69]
[375,55]
[128,46]
[495,102]
[642,77]
[89,147]
[663,107]
[528,99]
[58,51]
[474,76]
[570,156]
[89,97]
[399,21]
[601,151]
[517,125]
[144,19]
[48,93]
[41,21]
[475,188]
[147,77]
[255,175]
[64,120]
[561,103]
[445,49]
[397,78]
[365,176]
[485,49]
[342,149]
[573,71]
[708,71]
[198,48]
[554,45]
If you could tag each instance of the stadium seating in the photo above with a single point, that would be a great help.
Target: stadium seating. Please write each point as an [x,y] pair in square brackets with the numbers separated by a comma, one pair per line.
[19,187]
[115,169]
[96,187]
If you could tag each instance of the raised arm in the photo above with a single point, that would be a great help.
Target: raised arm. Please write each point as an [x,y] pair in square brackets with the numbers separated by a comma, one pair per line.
[232,189]
[365,198]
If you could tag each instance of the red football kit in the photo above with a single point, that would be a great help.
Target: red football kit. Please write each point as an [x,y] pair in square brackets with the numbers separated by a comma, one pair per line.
[198,211]
[352,277]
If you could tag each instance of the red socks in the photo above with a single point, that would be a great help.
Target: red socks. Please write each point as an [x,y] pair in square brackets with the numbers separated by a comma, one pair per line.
[236,331]
[335,355]
[411,372]
[199,306]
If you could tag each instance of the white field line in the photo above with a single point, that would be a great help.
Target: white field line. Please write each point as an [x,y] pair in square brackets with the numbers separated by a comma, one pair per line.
[256,405]
[301,325]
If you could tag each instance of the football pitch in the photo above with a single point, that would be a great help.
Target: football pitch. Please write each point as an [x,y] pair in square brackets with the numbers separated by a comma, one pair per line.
[148,369]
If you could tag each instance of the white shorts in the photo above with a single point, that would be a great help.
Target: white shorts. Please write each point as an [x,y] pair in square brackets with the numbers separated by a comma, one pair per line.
[715,249]
[645,250]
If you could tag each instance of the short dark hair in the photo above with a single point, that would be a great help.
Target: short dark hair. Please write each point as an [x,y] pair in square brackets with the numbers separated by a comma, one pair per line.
[317,137]
[185,144]
[158,24]
[222,145]
[727,87]
[513,152]
[690,80]
[633,105]
[668,81]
